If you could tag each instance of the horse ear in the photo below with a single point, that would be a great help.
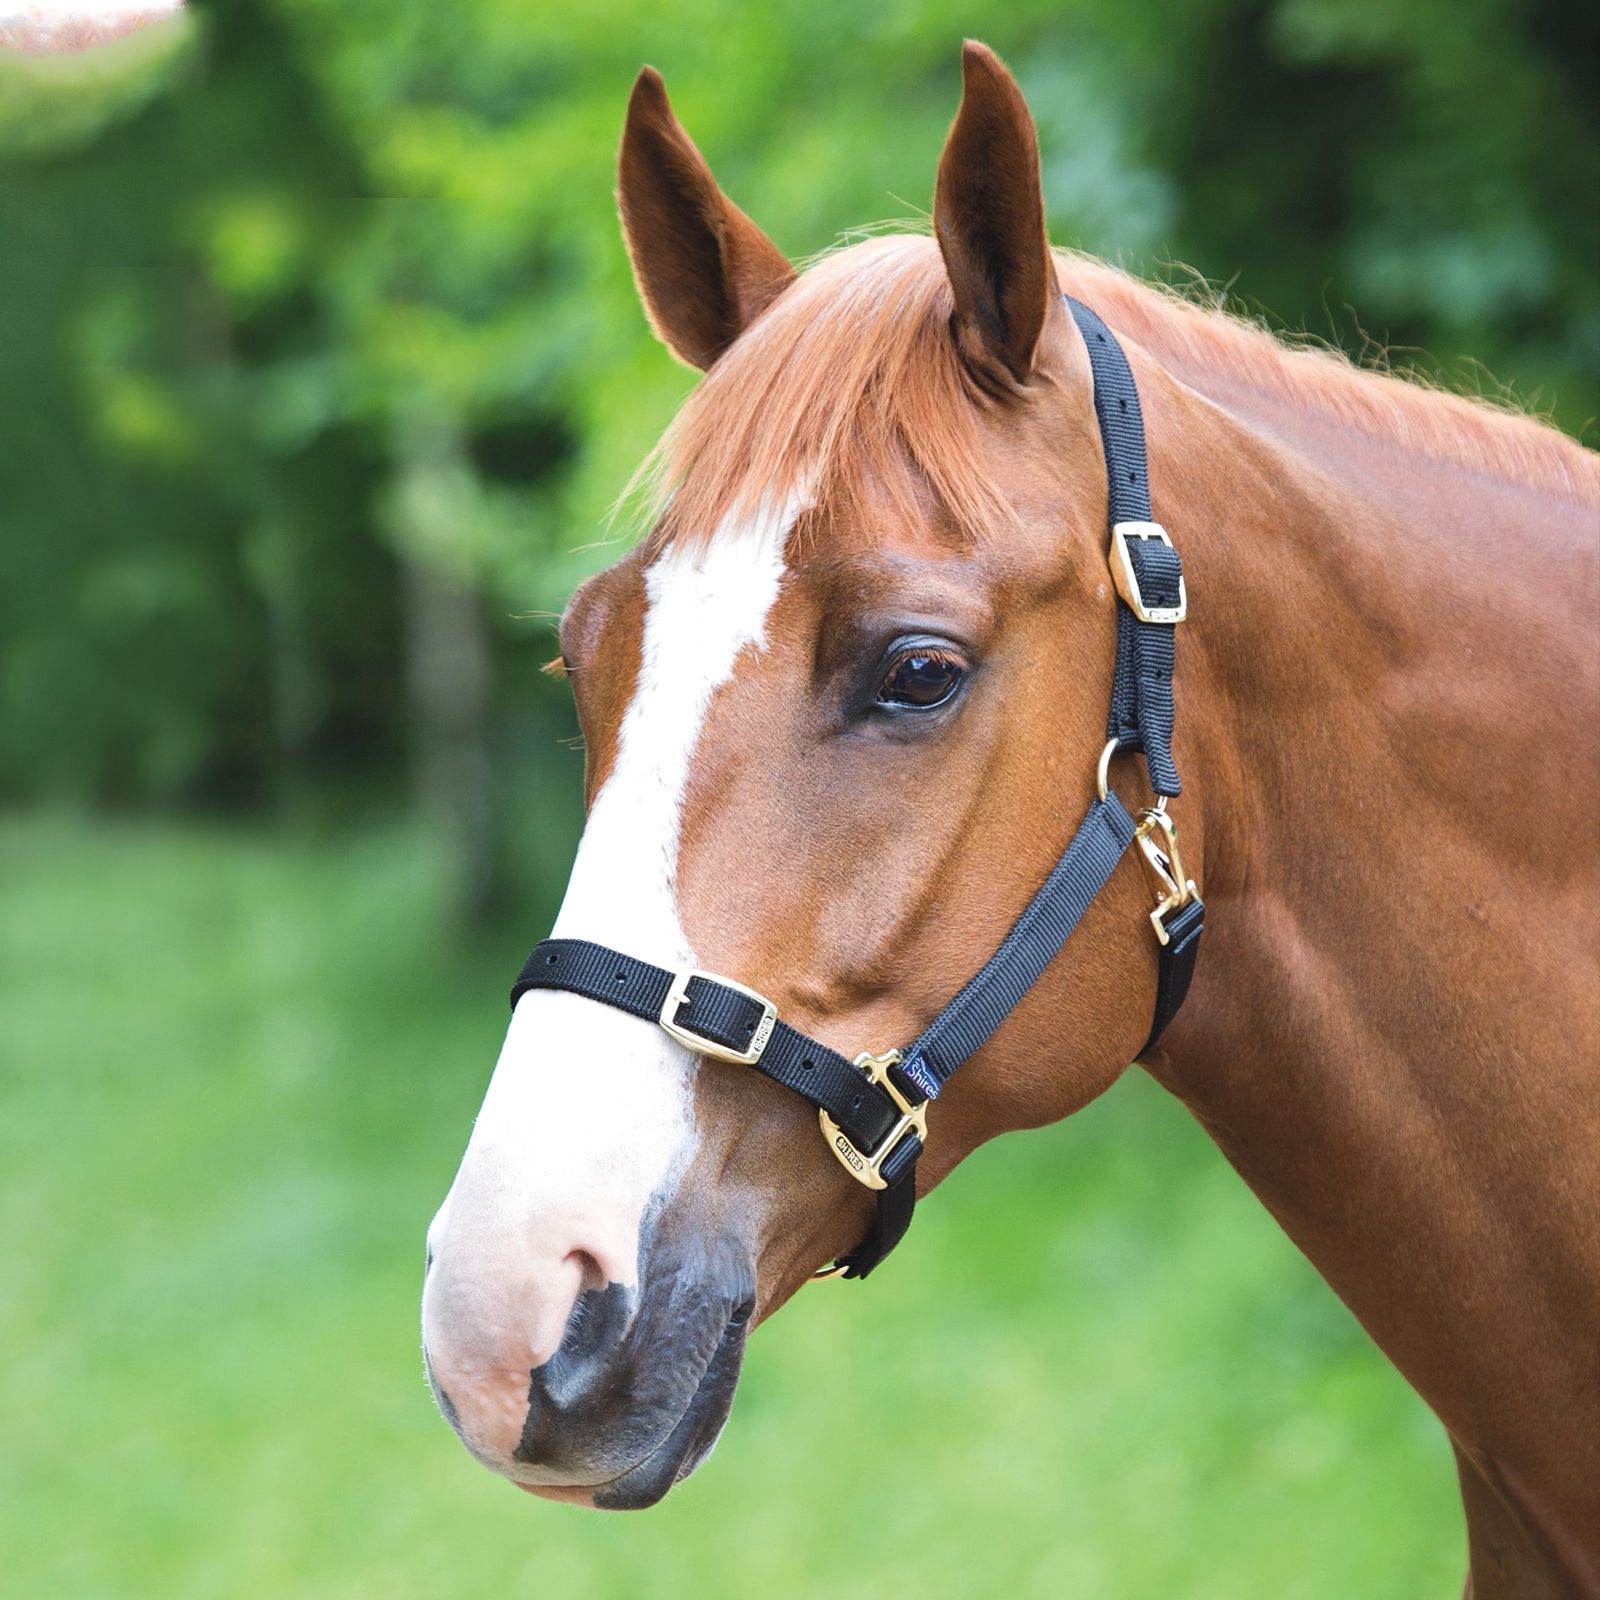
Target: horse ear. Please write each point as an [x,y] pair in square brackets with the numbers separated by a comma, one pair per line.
[988,215]
[705,271]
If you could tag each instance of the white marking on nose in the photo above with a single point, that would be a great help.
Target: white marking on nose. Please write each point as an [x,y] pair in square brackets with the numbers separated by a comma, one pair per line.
[587,1116]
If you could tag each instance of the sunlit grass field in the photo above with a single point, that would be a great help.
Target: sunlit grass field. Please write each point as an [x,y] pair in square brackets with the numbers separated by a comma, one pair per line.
[237,1074]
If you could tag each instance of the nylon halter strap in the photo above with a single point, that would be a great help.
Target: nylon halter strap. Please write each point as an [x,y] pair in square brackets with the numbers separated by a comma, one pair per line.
[873,1110]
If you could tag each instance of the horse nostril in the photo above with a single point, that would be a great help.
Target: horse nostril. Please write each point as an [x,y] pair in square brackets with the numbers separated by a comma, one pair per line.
[592,1277]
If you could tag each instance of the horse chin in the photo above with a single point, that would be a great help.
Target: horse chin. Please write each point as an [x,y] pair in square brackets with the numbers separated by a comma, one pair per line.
[678,1455]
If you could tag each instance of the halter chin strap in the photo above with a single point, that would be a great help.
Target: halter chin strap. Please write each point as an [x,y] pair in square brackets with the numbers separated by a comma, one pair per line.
[873,1111]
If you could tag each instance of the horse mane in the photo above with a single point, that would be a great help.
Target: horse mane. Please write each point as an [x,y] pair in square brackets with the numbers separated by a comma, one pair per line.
[851,381]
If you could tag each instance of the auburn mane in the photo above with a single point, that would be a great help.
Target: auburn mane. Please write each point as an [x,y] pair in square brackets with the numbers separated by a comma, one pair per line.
[852,378]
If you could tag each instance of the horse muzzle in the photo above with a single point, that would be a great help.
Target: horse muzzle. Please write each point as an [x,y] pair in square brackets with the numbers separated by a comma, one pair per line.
[632,1397]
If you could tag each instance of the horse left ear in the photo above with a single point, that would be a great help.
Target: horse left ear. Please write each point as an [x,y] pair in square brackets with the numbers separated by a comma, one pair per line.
[988,216]
[705,271]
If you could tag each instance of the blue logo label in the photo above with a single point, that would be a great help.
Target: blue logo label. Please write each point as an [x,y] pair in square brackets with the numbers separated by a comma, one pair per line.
[916,1068]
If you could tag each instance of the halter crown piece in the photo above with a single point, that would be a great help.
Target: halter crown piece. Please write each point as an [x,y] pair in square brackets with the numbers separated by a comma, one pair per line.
[873,1111]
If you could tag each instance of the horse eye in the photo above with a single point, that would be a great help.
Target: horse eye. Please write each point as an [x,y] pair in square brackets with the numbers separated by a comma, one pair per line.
[920,678]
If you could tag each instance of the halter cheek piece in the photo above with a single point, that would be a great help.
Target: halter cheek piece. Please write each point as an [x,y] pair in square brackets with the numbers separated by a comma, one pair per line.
[873,1110]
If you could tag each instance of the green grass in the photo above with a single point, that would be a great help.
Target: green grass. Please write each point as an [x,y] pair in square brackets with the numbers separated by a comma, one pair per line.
[236,1077]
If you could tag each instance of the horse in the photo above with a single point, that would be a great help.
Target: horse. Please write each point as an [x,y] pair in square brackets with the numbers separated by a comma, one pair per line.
[841,708]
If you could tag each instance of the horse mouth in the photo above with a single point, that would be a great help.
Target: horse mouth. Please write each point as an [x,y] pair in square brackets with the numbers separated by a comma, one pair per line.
[688,1443]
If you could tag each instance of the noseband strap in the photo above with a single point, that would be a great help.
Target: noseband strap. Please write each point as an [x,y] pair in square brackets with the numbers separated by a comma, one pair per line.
[873,1111]
[718,1019]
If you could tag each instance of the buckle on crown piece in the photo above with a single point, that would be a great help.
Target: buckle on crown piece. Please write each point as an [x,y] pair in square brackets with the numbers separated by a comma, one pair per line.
[1126,576]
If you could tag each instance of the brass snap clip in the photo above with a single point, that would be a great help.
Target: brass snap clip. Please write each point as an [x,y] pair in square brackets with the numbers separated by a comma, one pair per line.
[1156,835]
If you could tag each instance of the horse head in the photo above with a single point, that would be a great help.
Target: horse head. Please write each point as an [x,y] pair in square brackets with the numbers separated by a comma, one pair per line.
[841,710]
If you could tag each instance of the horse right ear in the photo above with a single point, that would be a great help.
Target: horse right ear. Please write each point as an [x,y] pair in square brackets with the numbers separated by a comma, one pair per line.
[988,216]
[705,271]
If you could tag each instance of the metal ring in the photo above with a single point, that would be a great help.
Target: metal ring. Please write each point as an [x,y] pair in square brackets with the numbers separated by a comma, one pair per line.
[1102,772]
[1102,775]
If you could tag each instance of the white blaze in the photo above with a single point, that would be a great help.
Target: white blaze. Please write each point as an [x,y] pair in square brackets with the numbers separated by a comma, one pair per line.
[587,1115]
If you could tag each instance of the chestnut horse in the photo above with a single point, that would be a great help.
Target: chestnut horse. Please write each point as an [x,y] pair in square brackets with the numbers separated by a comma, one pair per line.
[842,710]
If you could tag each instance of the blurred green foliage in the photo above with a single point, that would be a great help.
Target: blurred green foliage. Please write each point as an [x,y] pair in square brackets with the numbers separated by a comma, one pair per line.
[322,356]
[1098,1369]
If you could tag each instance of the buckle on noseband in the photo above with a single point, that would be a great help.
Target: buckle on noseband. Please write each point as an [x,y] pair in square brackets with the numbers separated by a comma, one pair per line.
[864,1168]
[1163,865]
[678,993]
[1125,573]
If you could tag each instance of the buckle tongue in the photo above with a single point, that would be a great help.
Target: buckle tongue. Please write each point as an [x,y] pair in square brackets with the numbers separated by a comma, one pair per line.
[864,1168]
[1126,575]
[678,993]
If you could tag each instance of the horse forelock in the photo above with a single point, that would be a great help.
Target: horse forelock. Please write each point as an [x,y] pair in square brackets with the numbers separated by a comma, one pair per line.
[849,379]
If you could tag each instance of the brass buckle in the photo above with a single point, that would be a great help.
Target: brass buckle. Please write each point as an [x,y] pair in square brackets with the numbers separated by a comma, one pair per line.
[862,1167]
[679,992]
[1127,579]
[1164,866]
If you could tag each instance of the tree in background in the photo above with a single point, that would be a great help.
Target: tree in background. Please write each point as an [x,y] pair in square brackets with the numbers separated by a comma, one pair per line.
[322,364]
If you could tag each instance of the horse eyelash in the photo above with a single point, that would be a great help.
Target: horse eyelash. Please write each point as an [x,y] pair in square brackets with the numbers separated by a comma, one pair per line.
[937,652]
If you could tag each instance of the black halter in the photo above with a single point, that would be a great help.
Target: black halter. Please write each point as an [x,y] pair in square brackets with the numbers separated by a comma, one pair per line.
[873,1110]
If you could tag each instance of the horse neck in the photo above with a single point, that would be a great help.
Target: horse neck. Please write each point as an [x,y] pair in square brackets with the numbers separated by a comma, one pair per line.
[1383,711]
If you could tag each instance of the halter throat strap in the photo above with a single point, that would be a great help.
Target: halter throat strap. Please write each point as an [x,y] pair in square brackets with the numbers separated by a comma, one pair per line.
[872,1111]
